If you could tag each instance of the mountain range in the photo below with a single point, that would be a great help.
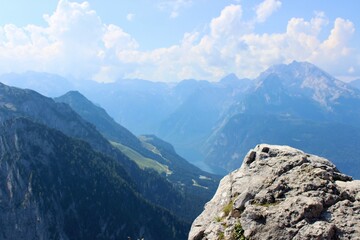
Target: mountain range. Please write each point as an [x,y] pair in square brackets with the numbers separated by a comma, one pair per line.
[64,177]
[148,151]
[298,105]
[213,124]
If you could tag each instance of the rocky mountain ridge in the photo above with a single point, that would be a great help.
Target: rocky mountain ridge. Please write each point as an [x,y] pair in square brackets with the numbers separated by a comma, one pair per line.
[296,104]
[42,119]
[289,95]
[55,187]
[318,85]
[149,152]
[282,193]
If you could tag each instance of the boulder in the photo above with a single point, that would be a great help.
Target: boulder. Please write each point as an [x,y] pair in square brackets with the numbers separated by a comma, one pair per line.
[281,192]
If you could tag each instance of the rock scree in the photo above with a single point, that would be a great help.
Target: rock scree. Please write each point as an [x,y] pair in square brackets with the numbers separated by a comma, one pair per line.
[282,193]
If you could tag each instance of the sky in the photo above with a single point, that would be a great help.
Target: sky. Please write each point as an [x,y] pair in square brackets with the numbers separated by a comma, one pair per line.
[172,40]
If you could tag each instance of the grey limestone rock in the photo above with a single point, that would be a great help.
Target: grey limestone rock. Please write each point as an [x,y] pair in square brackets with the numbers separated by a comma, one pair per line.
[282,193]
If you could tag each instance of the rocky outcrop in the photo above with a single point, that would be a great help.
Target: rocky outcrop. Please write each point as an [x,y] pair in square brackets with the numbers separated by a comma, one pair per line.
[282,193]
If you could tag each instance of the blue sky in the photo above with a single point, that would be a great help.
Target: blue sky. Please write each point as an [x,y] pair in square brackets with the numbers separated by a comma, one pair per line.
[171,40]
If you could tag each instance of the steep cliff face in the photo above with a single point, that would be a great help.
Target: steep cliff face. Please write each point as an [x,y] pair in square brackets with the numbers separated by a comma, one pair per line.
[282,193]
[56,187]
[15,102]
[150,152]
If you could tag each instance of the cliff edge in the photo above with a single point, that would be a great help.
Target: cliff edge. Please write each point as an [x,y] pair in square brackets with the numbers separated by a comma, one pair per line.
[282,193]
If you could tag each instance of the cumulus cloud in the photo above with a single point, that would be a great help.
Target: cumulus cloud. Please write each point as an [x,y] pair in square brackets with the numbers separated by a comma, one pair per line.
[335,52]
[76,42]
[340,34]
[228,23]
[231,45]
[266,9]
[300,41]
[115,37]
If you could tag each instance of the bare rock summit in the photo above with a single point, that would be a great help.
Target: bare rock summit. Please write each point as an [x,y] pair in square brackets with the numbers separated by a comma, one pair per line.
[282,193]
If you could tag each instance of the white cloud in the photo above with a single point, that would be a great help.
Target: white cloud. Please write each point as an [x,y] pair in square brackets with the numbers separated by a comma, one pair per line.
[76,42]
[130,17]
[340,34]
[231,45]
[65,45]
[335,52]
[266,9]
[115,37]
[228,23]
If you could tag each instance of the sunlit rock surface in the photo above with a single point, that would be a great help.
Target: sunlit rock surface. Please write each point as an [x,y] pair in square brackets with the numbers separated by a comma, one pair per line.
[282,193]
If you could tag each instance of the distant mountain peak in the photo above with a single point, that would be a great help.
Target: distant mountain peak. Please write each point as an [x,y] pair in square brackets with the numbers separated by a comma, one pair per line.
[75,98]
[230,77]
[48,84]
[306,78]
[302,64]
[232,81]
[75,94]
[295,71]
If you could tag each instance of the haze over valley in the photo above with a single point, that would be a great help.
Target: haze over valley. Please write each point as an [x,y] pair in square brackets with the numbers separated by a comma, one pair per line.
[213,124]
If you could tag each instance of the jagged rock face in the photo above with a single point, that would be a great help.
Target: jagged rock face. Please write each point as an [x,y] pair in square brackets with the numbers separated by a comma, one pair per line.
[282,193]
